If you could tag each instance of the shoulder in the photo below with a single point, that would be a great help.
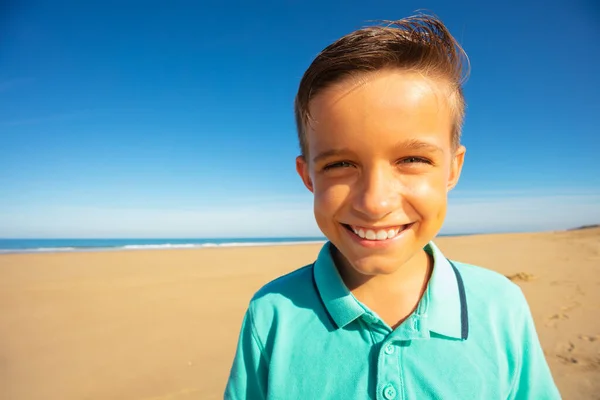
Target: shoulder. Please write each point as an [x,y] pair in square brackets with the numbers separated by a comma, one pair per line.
[489,287]
[284,298]
[289,285]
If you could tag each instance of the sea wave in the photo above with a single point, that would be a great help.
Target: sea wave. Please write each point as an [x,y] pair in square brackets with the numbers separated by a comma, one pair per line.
[242,244]
[39,250]
[201,245]
[162,246]
[158,246]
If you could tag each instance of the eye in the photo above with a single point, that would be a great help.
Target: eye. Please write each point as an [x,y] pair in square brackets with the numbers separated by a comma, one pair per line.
[413,160]
[339,164]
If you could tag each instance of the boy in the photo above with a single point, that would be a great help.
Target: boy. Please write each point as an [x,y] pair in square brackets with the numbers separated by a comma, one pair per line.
[381,313]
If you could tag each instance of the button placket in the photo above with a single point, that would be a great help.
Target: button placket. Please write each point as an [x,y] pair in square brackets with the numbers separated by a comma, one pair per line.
[388,370]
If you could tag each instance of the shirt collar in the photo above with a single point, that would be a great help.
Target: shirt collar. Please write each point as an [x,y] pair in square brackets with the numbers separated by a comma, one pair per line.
[443,305]
[446,310]
[341,305]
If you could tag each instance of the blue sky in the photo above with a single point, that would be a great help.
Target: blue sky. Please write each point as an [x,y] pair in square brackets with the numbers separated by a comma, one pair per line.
[175,119]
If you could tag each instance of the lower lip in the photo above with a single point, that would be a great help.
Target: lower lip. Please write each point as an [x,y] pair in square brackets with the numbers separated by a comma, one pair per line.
[378,244]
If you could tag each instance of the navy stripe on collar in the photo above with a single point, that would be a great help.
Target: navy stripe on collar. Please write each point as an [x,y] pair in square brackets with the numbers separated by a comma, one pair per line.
[464,315]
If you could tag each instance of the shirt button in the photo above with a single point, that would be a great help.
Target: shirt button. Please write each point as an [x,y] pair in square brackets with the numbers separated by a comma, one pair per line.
[389,349]
[389,392]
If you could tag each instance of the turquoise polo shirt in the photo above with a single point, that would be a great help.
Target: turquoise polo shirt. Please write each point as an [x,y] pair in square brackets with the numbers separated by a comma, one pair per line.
[305,336]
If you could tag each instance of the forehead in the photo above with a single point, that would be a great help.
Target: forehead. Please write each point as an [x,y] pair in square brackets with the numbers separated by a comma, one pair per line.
[389,103]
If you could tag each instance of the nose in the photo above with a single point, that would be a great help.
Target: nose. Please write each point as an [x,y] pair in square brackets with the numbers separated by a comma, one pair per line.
[378,193]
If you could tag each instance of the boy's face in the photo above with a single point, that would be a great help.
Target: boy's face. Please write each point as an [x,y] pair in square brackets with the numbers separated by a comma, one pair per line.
[380,164]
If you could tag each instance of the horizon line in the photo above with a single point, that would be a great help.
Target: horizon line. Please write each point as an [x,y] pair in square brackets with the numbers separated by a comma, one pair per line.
[491,232]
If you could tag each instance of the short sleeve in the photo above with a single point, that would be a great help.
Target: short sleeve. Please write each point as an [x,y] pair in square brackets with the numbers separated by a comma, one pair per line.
[249,372]
[533,379]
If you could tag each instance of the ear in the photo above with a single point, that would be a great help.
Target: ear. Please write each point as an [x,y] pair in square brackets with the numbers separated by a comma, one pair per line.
[456,167]
[302,169]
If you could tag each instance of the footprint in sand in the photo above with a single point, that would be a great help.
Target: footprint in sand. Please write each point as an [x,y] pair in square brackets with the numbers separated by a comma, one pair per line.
[568,356]
[521,277]
[563,314]
[553,319]
[567,359]
[589,338]
[565,355]
[560,316]
[586,362]
[571,347]
[567,347]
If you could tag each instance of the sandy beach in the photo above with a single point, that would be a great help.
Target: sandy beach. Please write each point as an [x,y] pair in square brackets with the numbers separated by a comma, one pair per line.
[163,324]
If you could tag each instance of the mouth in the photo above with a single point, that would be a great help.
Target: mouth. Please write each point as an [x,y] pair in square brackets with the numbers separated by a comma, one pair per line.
[376,234]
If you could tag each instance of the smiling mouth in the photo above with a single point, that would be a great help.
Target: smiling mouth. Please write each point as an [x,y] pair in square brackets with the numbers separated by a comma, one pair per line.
[376,234]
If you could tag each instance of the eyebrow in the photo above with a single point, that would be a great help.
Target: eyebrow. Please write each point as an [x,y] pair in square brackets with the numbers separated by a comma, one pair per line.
[416,144]
[330,153]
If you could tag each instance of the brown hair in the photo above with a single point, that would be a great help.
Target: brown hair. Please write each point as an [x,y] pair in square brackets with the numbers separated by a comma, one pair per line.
[419,43]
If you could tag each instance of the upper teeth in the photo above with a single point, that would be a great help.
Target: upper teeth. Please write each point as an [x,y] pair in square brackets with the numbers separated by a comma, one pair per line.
[371,234]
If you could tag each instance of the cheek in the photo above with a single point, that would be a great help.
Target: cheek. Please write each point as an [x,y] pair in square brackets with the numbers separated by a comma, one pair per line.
[329,198]
[428,195]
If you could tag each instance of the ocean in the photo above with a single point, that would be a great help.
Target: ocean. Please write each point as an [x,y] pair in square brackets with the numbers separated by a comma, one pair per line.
[73,245]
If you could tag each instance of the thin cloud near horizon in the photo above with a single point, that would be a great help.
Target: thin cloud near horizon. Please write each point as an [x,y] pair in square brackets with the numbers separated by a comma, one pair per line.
[289,219]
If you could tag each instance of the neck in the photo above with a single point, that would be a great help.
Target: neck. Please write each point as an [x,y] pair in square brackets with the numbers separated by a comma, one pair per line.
[392,296]
[417,267]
